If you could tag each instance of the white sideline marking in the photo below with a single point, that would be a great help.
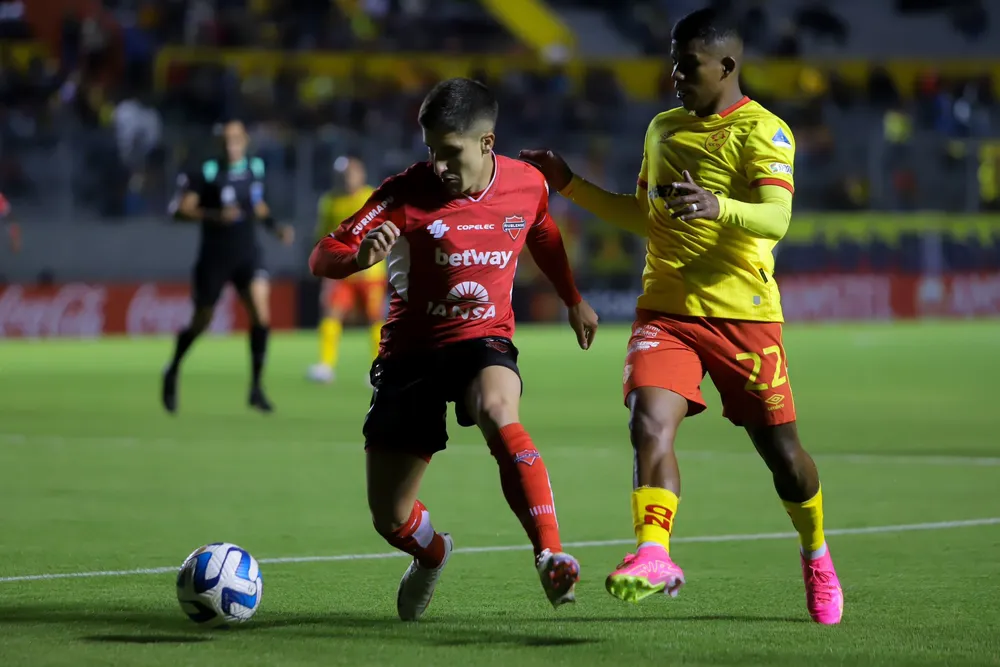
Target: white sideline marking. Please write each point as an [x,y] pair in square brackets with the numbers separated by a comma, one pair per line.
[466,448]
[746,537]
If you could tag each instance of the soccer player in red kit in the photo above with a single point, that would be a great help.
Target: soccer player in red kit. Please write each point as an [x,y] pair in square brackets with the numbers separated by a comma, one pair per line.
[450,230]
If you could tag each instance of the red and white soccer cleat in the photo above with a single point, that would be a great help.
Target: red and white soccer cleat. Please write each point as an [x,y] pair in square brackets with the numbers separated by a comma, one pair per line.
[416,588]
[559,573]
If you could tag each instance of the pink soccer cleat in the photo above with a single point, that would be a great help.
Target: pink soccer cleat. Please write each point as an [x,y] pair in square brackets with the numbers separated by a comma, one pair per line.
[824,596]
[644,573]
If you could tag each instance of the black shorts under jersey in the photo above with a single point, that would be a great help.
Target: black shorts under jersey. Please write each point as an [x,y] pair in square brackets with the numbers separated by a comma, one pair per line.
[409,405]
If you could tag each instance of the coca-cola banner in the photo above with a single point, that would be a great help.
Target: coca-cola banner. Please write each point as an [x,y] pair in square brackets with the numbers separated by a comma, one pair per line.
[89,310]
[885,297]
[856,297]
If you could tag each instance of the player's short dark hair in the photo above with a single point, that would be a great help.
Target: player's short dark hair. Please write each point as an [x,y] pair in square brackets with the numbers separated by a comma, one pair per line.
[455,105]
[706,25]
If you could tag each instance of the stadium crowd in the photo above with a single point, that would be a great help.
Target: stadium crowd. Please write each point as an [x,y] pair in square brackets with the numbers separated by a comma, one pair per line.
[125,126]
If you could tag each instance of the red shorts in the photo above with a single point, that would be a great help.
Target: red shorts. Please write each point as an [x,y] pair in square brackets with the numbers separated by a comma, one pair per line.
[745,360]
[346,295]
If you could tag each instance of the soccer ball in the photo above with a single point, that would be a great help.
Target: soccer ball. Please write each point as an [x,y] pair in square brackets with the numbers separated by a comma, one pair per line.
[220,584]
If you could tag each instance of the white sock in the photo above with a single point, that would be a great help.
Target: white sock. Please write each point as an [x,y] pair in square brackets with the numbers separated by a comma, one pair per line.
[649,544]
[813,555]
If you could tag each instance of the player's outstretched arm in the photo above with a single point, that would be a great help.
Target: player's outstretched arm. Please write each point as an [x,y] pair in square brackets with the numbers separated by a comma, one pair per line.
[627,211]
[546,247]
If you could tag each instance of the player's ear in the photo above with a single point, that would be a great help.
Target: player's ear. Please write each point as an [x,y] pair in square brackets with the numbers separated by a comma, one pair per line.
[487,142]
[728,66]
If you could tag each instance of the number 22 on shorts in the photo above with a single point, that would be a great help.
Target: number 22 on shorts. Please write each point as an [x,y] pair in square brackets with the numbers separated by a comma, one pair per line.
[776,381]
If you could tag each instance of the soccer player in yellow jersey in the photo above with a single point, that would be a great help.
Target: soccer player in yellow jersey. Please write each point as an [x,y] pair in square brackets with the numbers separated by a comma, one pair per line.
[365,289]
[714,196]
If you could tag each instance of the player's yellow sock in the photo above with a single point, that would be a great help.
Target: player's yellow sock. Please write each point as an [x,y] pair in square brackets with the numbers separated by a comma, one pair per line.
[330,331]
[653,511]
[807,518]
[375,334]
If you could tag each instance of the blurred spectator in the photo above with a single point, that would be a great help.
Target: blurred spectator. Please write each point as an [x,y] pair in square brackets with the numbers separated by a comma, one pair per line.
[822,22]
[882,91]
[13,20]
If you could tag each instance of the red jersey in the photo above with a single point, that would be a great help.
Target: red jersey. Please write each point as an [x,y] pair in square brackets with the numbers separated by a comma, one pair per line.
[452,269]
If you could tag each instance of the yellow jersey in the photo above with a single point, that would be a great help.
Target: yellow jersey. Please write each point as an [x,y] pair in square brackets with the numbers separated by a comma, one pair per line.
[709,268]
[333,209]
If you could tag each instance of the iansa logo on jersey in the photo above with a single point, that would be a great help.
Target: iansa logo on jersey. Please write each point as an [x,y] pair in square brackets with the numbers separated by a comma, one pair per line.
[716,140]
[380,207]
[438,229]
[468,300]
[513,224]
[473,257]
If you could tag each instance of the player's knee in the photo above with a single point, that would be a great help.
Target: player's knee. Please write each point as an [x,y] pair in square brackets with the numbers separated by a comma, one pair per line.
[496,410]
[651,432]
[782,450]
[387,519]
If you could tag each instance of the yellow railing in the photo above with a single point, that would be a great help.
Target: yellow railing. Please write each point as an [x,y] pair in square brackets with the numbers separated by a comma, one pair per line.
[639,77]
[888,227]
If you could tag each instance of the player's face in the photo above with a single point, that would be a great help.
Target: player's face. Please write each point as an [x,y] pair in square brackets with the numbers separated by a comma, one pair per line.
[354,175]
[235,136]
[458,158]
[698,73]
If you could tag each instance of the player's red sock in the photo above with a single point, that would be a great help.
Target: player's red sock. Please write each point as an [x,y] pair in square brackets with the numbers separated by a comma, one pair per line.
[525,484]
[417,538]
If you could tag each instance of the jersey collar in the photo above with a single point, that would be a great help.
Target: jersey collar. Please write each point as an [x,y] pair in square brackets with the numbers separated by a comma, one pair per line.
[728,110]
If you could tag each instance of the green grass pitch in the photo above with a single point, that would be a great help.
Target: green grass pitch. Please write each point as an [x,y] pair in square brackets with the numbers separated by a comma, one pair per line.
[903,420]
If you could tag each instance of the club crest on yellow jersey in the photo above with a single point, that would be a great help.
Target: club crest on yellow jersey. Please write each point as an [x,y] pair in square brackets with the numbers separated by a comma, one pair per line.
[717,140]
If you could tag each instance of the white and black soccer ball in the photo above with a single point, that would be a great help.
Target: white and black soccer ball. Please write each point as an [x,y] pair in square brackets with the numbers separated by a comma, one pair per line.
[220,584]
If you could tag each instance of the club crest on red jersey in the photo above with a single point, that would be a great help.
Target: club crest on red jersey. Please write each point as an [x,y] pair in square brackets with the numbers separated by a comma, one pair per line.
[513,224]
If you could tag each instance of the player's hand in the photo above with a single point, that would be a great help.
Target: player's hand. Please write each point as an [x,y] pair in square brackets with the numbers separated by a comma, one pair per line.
[376,244]
[552,166]
[583,319]
[698,203]
[231,214]
[286,234]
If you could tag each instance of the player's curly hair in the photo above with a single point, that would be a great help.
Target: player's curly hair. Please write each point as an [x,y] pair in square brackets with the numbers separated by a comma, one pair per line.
[455,105]
[706,25]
